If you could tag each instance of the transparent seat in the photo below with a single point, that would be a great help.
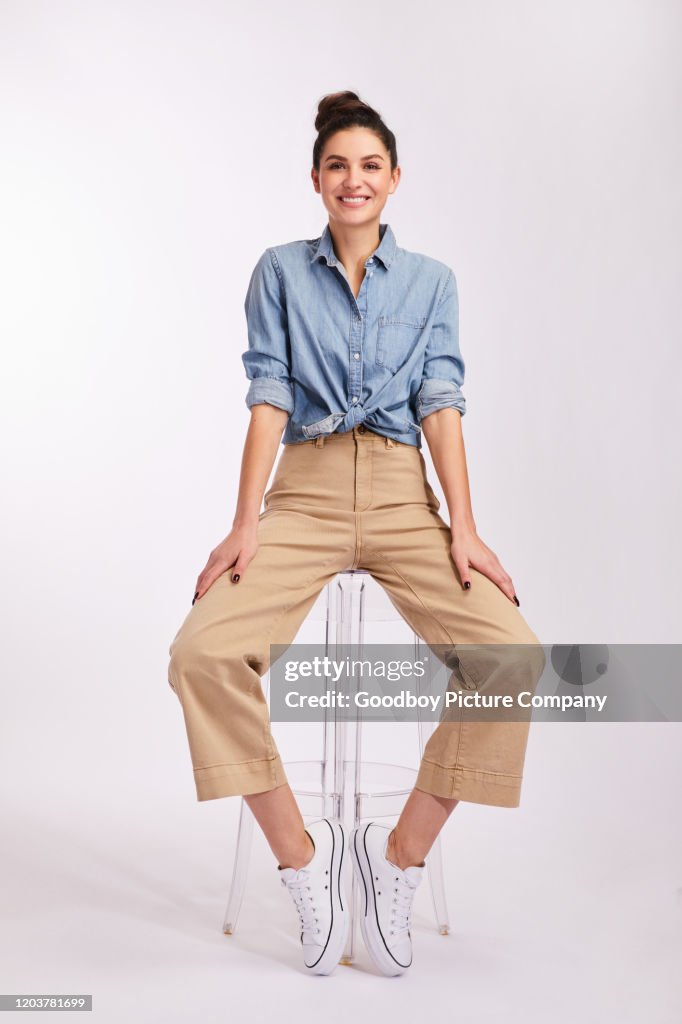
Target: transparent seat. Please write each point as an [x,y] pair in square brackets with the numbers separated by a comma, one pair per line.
[340,784]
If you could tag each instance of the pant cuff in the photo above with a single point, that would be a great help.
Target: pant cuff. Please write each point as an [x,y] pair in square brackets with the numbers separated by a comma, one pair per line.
[467,784]
[239,779]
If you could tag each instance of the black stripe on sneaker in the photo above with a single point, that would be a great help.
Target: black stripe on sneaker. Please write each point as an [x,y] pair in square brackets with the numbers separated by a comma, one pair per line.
[362,873]
[331,926]
[376,915]
[340,863]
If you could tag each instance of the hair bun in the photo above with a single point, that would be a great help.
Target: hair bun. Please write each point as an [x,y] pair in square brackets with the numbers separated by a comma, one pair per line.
[335,104]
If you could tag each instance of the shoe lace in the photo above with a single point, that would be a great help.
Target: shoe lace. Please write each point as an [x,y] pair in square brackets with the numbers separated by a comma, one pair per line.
[301,892]
[403,894]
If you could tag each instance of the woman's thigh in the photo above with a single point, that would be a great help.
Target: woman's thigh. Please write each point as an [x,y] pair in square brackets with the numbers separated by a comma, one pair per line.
[298,553]
[407,550]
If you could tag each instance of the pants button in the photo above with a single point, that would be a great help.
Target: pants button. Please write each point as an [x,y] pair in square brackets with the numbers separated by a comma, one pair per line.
[361,428]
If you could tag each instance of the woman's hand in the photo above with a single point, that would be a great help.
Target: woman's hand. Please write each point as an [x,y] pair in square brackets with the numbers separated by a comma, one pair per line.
[235,552]
[468,549]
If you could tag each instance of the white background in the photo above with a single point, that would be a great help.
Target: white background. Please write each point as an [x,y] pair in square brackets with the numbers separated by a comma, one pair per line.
[150,152]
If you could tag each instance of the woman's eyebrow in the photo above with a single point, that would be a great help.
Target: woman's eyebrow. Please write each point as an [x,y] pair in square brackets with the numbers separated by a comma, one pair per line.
[372,156]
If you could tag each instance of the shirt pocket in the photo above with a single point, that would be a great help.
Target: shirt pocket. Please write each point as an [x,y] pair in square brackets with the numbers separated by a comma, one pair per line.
[397,336]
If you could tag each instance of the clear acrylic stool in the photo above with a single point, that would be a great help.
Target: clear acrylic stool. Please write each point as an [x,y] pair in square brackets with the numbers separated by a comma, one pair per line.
[341,785]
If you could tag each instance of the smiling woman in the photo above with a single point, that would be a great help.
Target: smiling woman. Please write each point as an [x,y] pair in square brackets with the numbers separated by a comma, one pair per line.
[353,353]
[376,176]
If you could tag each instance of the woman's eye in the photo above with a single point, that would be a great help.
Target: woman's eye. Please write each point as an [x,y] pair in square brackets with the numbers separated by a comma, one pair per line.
[335,166]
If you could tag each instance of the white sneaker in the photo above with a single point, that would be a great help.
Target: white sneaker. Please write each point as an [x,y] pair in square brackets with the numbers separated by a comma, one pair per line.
[386,894]
[317,892]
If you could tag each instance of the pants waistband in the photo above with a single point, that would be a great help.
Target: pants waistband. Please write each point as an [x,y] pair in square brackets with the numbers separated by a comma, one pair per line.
[360,432]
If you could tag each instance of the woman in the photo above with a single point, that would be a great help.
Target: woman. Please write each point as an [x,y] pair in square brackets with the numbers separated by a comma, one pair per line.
[353,354]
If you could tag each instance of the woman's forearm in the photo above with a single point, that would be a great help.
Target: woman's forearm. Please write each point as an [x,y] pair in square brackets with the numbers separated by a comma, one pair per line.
[443,433]
[260,448]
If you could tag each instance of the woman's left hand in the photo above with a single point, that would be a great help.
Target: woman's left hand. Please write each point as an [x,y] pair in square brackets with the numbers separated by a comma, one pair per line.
[468,549]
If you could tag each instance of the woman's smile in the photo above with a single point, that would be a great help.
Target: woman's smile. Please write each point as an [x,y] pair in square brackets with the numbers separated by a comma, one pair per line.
[351,201]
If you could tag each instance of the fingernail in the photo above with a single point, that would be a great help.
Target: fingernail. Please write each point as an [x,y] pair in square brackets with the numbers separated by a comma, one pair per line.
[235,578]
[195,597]
[517,601]
[467,585]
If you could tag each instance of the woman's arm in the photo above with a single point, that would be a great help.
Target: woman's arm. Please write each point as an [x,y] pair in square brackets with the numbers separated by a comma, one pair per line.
[260,448]
[241,544]
[443,432]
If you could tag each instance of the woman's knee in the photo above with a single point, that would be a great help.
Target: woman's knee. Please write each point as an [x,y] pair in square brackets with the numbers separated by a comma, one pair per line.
[195,657]
[534,654]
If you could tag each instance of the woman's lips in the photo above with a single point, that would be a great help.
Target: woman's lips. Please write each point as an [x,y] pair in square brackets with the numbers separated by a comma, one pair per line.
[350,205]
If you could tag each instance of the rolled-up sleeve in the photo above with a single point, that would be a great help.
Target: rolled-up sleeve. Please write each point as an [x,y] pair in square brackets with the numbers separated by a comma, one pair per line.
[267,360]
[443,373]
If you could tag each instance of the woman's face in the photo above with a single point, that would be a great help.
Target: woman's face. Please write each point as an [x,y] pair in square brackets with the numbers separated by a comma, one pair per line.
[355,162]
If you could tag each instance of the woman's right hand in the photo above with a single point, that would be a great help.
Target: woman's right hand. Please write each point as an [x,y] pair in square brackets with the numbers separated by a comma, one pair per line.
[235,552]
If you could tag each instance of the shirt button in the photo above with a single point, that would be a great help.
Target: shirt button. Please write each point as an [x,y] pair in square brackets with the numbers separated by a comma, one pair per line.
[356,355]
[355,398]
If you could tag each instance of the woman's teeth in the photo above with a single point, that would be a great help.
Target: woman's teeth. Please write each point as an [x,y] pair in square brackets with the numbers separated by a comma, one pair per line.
[355,201]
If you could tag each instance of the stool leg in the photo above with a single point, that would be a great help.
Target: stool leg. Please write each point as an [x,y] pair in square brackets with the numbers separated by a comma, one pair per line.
[242,854]
[349,607]
[434,860]
[334,752]
[434,863]
[241,867]
[330,737]
[356,894]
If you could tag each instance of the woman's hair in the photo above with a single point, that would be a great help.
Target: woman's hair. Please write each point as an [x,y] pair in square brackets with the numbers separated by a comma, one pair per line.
[340,110]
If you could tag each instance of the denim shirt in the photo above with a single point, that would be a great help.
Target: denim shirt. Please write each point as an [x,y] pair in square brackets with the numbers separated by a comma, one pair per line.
[386,359]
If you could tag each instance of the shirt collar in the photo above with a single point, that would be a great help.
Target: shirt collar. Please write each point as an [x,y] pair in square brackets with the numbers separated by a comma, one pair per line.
[385,251]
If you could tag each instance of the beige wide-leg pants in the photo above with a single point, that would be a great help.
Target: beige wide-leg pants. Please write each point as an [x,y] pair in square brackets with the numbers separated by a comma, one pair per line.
[352,500]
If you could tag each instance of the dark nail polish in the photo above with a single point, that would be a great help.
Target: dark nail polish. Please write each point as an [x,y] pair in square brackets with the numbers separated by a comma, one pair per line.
[235,578]
[467,585]
[518,605]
